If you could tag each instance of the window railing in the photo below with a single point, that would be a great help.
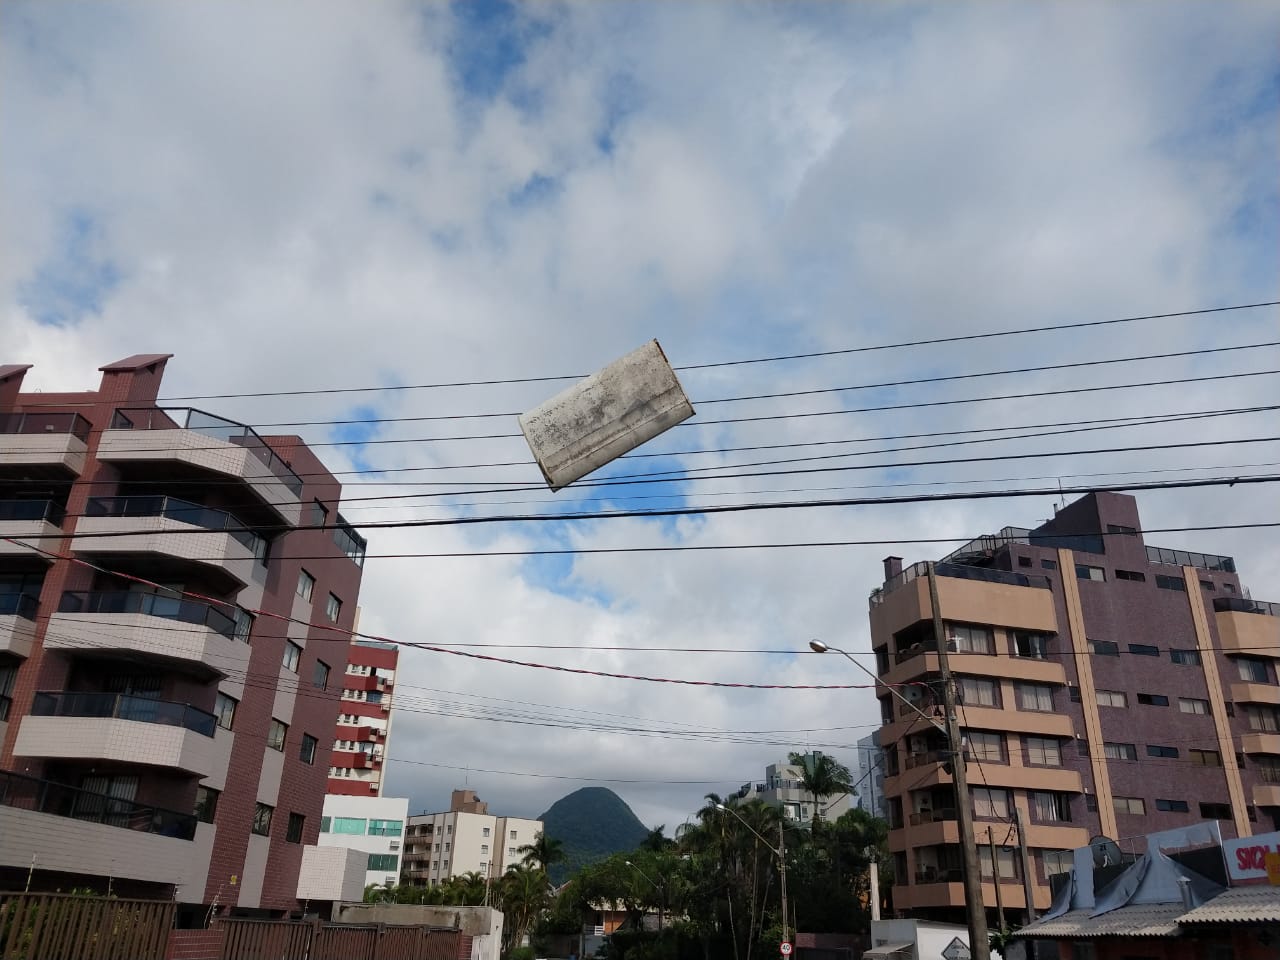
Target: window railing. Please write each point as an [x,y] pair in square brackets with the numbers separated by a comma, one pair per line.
[1241,605]
[60,800]
[958,571]
[172,508]
[1186,558]
[933,816]
[34,423]
[209,425]
[122,706]
[924,759]
[1269,774]
[18,605]
[149,604]
[32,510]
[934,875]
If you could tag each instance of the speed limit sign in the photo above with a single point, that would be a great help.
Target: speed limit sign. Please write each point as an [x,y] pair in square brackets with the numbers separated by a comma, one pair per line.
[785,948]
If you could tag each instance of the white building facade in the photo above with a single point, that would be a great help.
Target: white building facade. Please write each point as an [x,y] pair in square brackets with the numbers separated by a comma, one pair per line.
[465,839]
[375,826]
[782,787]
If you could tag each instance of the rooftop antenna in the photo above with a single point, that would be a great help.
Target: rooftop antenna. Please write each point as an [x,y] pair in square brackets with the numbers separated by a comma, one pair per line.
[1062,497]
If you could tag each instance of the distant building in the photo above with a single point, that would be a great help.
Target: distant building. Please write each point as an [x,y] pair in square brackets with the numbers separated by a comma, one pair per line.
[364,720]
[869,777]
[782,788]
[372,825]
[465,839]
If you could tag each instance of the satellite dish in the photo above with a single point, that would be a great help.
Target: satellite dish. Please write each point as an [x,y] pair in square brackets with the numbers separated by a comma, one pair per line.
[1106,852]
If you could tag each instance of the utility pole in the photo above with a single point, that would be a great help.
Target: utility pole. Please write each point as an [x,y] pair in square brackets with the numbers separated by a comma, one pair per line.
[782,876]
[995,876]
[1026,863]
[979,947]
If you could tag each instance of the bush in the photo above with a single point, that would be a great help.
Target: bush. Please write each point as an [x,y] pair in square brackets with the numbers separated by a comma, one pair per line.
[521,953]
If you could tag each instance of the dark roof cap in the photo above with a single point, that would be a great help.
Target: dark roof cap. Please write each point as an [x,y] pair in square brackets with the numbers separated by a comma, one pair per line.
[136,362]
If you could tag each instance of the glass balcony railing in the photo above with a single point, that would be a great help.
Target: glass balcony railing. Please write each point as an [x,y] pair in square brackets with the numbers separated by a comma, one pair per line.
[122,706]
[31,423]
[1188,558]
[60,800]
[154,605]
[1241,605]
[174,509]
[218,428]
[32,511]
[18,605]
[959,571]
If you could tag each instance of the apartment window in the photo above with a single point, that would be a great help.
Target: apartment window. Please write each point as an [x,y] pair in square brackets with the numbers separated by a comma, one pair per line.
[306,585]
[262,820]
[1134,575]
[1172,806]
[485,832]
[1032,645]
[1104,648]
[385,828]
[1044,752]
[448,847]
[1144,650]
[511,851]
[1091,802]
[206,804]
[1024,561]
[292,655]
[1207,585]
[1082,746]
[293,832]
[1153,700]
[986,746]
[1215,811]
[964,638]
[1121,529]
[1004,863]
[332,608]
[514,835]
[1056,862]
[383,861]
[1170,583]
[1263,718]
[1186,658]
[1048,807]
[1120,751]
[307,751]
[1034,696]
[990,803]
[349,542]
[1205,758]
[276,734]
[1130,805]
[1086,572]
[225,709]
[484,848]
[1193,705]
[1269,769]
[319,514]
[351,826]
[1156,750]
[320,675]
[1073,692]
[326,822]
[1049,564]
[243,624]
[978,692]
[1229,588]
[1252,670]
[448,829]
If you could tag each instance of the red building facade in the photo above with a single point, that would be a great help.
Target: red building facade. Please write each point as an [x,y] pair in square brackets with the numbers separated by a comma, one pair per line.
[360,742]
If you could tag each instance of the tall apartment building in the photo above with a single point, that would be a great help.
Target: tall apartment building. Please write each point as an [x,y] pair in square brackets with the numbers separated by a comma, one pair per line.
[1108,687]
[869,776]
[364,721]
[782,788]
[465,839]
[167,706]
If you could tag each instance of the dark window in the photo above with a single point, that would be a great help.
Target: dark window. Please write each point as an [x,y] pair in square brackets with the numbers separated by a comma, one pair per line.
[293,833]
[262,819]
[1173,806]
[1153,699]
[307,751]
[1229,709]
[1091,803]
[1104,648]
[1032,645]
[244,624]
[319,514]
[1230,588]
[225,708]
[349,542]
[1086,572]
[1207,584]
[1205,758]
[1170,583]
[292,655]
[1119,751]
[206,804]
[320,675]
[382,861]
[1155,750]
[1121,529]
[1253,670]
[1135,575]
[333,608]
[1144,650]
[306,585]
[1188,658]
[1252,811]
[1082,747]
[1049,564]
[1024,561]
[276,734]
[1074,693]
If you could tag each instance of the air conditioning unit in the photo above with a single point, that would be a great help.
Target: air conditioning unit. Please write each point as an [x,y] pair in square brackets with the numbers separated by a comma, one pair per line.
[395,844]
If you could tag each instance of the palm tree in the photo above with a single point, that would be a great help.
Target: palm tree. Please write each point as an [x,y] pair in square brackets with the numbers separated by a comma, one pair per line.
[544,851]
[523,894]
[656,840]
[822,776]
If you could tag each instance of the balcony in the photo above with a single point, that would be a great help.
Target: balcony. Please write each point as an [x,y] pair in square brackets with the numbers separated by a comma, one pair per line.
[30,521]
[1248,626]
[192,438]
[17,623]
[1260,742]
[965,595]
[1266,795]
[1187,558]
[155,526]
[1243,692]
[915,662]
[60,800]
[42,446]
[121,728]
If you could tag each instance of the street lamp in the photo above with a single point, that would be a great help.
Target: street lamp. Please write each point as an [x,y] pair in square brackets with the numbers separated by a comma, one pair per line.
[780,852]
[661,888]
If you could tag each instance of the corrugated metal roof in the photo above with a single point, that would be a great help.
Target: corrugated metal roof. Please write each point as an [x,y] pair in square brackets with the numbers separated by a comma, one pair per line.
[1142,920]
[1239,905]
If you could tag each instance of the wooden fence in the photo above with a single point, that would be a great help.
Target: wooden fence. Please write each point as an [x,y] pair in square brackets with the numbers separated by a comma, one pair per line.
[64,926]
[315,940]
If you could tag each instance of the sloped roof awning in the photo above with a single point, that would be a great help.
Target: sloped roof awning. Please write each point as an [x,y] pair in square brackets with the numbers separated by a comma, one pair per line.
[888,951]
[1146,920]
[1238,905]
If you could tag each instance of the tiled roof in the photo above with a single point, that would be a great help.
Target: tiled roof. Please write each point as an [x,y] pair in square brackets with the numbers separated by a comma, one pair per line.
[1140,920]
[1239,905]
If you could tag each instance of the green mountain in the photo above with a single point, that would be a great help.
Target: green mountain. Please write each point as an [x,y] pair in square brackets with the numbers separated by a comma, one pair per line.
[591,823]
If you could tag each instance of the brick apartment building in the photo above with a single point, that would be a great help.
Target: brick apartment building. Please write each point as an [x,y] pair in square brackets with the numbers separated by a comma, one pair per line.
[364,720]
[1108,687]
[153,741]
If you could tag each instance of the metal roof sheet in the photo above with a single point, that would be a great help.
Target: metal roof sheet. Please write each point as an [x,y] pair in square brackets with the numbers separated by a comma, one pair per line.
[1259,904]
[1141,920]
